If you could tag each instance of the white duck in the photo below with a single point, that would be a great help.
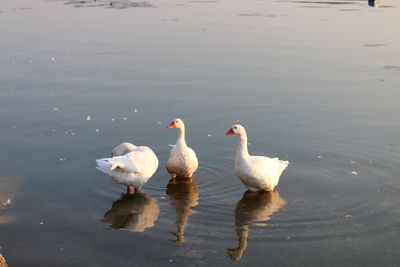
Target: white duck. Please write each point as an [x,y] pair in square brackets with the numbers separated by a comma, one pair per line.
[255,172]
[130,165]
[182,160]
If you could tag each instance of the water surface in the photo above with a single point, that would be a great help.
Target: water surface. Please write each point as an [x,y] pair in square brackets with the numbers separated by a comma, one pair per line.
[314,82]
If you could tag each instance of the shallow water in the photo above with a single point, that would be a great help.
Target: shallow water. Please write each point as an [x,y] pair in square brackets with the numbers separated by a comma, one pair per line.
[314,82]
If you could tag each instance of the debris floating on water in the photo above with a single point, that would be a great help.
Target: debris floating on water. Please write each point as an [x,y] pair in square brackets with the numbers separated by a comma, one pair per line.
[352,162]
[97,130]
[7,203]
[56,109]
[209,135]
[319,156]
[88,118]
[125,118]
[135,110]
[53,59]
[354,173]
[69,132]
[112,119]
[159,122]
[62,159]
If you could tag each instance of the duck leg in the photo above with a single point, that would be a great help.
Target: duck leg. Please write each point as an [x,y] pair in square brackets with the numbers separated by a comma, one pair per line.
[130,190]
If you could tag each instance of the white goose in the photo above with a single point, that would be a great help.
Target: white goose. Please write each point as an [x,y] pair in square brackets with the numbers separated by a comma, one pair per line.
[182,160]
[130,165]
[255,172]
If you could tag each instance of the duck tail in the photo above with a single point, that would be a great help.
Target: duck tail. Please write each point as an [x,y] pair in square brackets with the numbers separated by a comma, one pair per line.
[103,165]
[284,164]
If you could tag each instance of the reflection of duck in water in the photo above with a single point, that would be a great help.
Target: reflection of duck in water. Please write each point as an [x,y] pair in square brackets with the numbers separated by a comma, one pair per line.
[184,196]
[373,3]
[133,212]
[252,208]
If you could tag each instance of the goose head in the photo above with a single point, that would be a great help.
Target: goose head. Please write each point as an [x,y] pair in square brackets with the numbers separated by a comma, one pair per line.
[176,124]
[236,129]
[122,149]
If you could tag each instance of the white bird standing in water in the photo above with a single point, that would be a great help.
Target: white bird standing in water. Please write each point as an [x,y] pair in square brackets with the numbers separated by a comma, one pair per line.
[255,172]
[182,160]
[130,165]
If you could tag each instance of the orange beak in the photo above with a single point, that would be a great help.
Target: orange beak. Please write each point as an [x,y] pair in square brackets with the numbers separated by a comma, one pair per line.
[229,132]
[171,125]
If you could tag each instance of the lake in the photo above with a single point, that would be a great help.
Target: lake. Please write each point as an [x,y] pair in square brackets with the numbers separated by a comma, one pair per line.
[314,82]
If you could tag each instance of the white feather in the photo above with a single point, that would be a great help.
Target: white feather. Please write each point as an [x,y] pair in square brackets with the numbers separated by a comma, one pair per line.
[122,149]
[182,159]
[132,169]
[256,172]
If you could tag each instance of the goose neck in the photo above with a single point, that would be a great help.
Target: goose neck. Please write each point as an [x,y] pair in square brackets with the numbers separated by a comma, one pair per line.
[181,137]
[242,150]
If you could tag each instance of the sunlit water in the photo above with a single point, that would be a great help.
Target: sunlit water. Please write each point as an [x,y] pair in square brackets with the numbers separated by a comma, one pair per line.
[315,82]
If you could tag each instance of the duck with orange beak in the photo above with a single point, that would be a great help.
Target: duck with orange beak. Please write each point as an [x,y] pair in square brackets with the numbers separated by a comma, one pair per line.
[255,172]
[182,160]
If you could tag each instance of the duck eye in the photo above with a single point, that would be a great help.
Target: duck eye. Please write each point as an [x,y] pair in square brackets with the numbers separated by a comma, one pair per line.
[235,128]
[176,121]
